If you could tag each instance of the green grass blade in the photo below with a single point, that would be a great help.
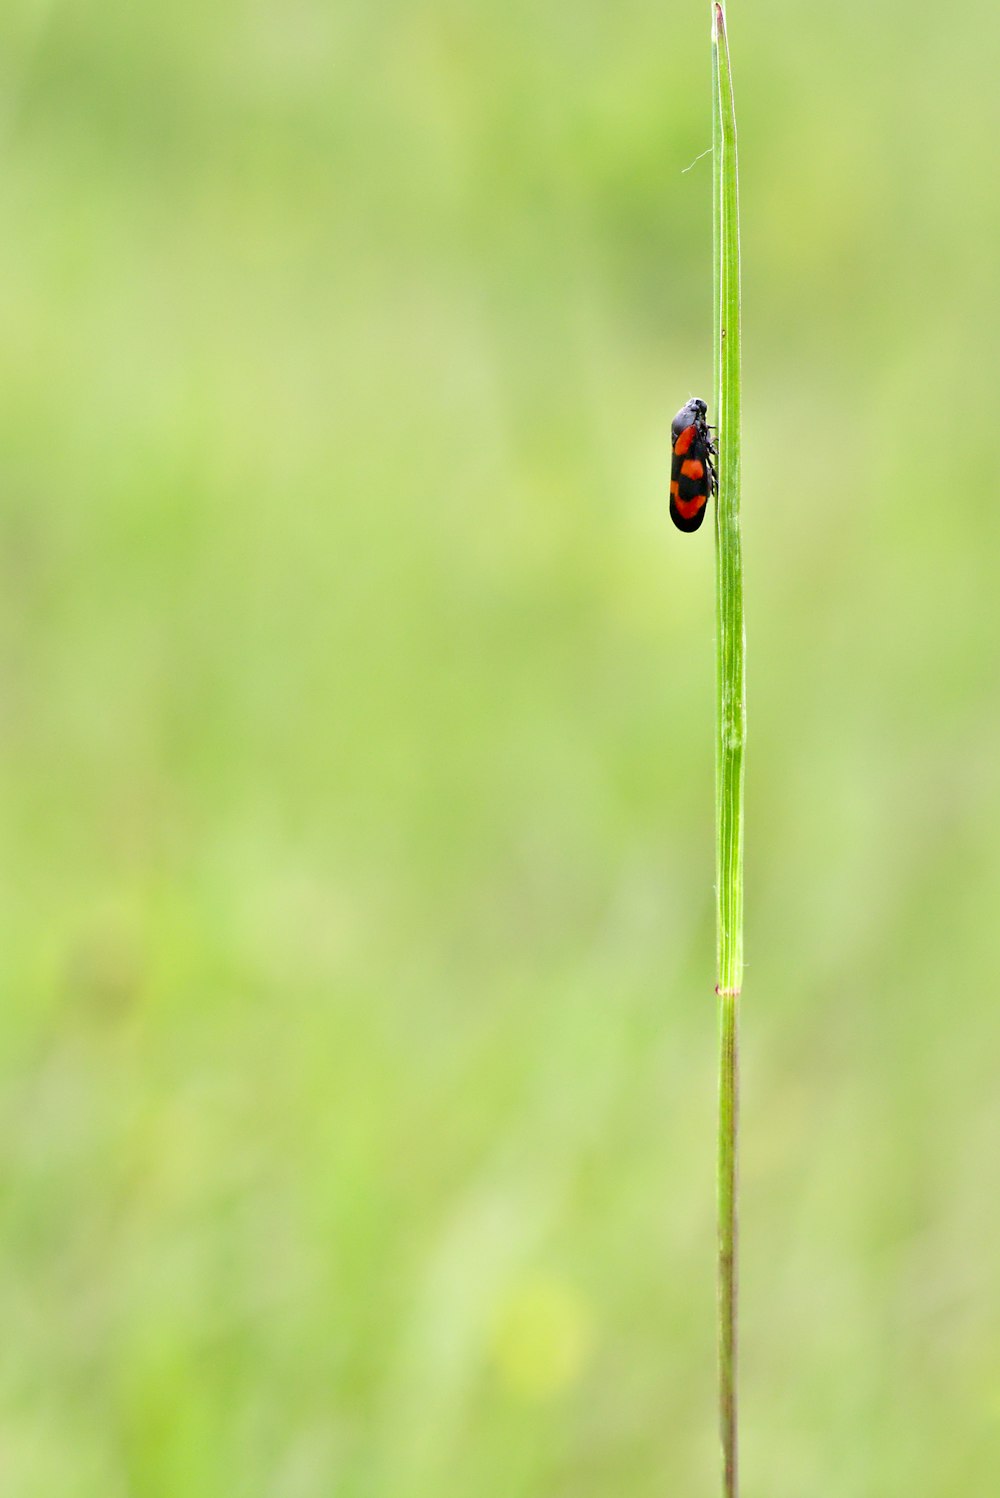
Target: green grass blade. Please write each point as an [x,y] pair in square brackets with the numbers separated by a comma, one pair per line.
[730,715]
[730,649]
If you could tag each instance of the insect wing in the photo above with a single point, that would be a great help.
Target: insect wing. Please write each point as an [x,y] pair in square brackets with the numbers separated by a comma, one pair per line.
[691,477]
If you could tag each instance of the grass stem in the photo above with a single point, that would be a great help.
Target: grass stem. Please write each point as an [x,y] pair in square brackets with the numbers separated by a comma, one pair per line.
[730,718]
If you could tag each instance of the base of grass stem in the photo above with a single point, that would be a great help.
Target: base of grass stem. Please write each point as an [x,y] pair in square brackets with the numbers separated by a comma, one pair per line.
[729,1080]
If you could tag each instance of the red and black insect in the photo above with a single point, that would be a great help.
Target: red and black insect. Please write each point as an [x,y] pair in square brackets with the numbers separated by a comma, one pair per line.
[692,472]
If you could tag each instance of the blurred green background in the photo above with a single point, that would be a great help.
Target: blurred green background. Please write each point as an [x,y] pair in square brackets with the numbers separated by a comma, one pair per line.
[357,1039]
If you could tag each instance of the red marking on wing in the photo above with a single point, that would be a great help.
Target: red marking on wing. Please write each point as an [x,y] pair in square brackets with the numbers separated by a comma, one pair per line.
[688,508]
